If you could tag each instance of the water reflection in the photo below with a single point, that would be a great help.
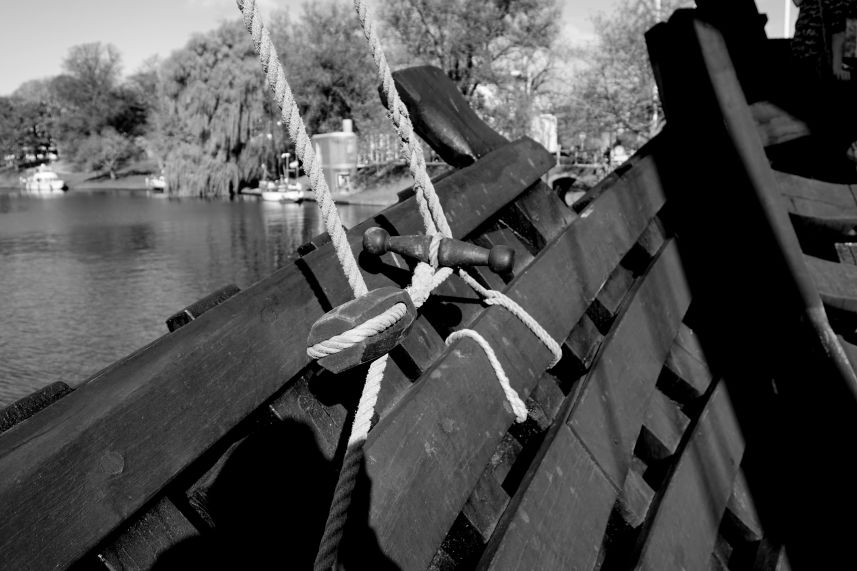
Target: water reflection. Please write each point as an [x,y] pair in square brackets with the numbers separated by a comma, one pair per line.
[90,276]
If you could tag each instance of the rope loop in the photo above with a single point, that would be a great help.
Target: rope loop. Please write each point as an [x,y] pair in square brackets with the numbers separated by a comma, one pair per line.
[494,297]
[519,409]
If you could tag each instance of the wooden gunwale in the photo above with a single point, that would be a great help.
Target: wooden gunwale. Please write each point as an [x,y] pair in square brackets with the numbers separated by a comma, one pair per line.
[126,433]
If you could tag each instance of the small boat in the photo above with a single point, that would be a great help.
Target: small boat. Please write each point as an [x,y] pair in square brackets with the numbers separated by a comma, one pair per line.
[285,192]
[156,183]
[700,417]
[44,180]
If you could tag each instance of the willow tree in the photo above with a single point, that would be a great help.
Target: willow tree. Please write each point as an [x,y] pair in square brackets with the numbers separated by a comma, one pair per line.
[215,114]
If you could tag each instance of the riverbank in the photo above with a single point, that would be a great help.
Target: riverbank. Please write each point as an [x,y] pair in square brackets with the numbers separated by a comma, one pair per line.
[374,187]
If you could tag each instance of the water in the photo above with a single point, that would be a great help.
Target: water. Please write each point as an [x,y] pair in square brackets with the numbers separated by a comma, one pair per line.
[89,277]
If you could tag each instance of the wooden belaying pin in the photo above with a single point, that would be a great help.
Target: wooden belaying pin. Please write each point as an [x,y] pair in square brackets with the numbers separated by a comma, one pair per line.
[450,252]
[356,312]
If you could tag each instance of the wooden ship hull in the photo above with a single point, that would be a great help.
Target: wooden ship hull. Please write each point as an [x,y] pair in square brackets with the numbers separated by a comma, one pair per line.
[700,418]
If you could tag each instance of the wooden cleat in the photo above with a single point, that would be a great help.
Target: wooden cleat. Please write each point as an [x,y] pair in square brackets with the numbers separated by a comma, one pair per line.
[451,253]
[349,315]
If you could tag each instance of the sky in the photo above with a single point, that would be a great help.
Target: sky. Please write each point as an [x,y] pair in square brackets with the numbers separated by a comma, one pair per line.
[35,36]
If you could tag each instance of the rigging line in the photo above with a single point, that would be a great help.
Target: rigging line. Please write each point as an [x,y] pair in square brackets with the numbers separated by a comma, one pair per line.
[303,146]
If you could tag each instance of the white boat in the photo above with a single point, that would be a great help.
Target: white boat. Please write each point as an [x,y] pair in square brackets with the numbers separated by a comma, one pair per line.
[292,192]
[156,183]
[44,180]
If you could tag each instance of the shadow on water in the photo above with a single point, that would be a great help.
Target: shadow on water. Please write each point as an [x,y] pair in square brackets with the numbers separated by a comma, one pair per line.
[267,508]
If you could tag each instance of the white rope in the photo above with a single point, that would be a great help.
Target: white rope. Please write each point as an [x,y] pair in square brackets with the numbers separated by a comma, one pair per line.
[427,199]
[494,297]
[303,145]
[365,330]
[518,406]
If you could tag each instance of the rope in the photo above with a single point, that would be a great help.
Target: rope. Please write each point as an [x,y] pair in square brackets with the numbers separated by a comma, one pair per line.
[518,407]
[351,463]
[427,199]
[494,297]
[303,145]
[358,334]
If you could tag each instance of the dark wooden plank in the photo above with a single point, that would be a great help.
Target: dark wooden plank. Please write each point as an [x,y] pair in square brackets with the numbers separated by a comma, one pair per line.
[663,427]
[450,422]
[653,238]
[603,310]
[443,118]
[149,537]
[684,528]
[538,216]
[636,497]
[565,506]
[837,283]
[687,374]
[741,512]
[548,395]
[197,308]
[776,125]
[160,408]
[847,253]
[486,503]
[615,400]
[812,197]
[25,407]
[850,352]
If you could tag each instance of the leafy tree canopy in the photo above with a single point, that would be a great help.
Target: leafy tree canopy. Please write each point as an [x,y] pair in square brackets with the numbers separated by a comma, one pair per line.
[214,113]
[616,92]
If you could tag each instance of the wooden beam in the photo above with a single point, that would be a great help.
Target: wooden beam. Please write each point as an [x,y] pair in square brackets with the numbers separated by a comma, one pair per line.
[435,445]
[615,400]
[685,525]
[122,436]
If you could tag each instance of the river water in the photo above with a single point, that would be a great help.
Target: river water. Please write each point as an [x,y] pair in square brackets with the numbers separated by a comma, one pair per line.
[89,277]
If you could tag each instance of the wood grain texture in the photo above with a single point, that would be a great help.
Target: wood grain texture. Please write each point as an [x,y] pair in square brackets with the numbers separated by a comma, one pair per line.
[616,398]
[148,537]
[837,283]
[443,118]
[562,515]
[812,197]
[684,529]
[433,448]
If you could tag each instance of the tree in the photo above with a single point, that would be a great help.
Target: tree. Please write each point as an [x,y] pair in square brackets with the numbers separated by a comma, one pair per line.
[24,128]
[214,113]
[85,91]
[107,151]
[329,67]
[615,91]
[498,52]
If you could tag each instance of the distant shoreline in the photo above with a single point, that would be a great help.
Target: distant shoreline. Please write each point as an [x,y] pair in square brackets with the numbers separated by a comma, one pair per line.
[383,194]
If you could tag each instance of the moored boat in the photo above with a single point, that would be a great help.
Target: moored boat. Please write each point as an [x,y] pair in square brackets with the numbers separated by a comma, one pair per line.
[43,180]
[156,183]
[699,417]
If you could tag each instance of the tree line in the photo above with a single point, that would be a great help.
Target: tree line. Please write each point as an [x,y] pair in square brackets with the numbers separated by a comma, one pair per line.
[205,115]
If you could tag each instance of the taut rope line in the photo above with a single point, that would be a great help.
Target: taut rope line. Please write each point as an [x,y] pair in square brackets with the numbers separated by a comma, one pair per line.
[303,146]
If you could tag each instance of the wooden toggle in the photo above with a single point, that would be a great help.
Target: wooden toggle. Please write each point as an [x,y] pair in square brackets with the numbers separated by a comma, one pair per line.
[450,253]
[353,313]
